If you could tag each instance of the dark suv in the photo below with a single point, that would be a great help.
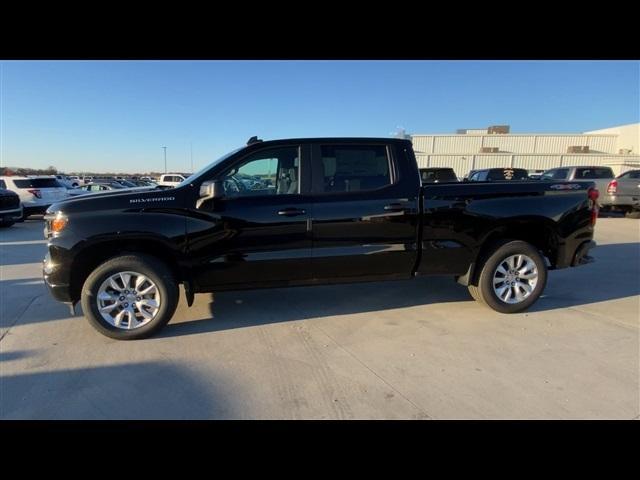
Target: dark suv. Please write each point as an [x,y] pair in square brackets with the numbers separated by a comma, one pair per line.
[10,208]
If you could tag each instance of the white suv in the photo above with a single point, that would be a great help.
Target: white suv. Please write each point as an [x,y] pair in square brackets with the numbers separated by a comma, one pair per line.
[171,180]
[36,193]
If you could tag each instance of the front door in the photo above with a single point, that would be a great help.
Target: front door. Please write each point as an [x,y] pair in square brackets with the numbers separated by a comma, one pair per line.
[257,232]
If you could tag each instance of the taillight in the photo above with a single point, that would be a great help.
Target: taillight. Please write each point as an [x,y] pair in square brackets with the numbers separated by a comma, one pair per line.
[613,187]
[594,194]
[36,193]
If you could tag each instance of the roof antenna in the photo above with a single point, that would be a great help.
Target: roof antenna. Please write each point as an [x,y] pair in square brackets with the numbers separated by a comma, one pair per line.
[253,140]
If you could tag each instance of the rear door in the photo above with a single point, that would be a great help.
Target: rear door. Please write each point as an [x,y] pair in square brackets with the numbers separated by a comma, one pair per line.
[365,209]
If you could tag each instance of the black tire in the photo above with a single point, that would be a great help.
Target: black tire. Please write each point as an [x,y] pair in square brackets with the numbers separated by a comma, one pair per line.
[149,266]
[483,290]
[6,224]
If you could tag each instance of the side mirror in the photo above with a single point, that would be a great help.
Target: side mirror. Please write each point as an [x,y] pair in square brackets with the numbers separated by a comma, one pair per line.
[210,190]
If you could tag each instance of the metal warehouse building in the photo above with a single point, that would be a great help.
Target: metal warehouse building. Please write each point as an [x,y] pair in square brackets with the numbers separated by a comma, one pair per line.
[473,149]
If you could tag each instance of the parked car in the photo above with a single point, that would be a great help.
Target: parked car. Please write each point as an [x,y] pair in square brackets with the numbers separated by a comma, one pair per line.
[126,183]
[106,186]
[10,207]
[498,175]
[144,183]
[101,187]
[36,193]
[76,181]
[623,194]
[348,209]
[438,175]
[600,175]
[70,182]
[170,180]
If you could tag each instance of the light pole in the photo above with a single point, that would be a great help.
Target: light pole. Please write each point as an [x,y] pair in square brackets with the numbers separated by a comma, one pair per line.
[165,159]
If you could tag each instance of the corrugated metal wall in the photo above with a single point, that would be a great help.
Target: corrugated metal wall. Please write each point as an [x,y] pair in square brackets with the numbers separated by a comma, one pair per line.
[511,143]
[457,144]
[541,144]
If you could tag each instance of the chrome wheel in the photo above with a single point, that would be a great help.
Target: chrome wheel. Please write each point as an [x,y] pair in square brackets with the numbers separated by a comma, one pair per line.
[515,278]
[128,300]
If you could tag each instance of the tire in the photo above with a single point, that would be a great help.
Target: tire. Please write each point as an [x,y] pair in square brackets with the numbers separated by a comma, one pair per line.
[632,214]
[6,224]
[484,291]
[157,274]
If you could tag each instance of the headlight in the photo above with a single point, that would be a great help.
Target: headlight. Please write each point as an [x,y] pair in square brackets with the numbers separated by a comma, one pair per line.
[55,224]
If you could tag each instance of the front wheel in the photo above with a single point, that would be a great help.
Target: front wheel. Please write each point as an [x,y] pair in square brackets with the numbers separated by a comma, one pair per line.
[512,278]
[130,297]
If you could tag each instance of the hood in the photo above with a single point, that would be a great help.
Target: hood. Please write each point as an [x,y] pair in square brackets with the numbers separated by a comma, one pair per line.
[121,199]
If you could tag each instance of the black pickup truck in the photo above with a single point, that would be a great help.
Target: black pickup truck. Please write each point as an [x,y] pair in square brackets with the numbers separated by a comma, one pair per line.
[307,212]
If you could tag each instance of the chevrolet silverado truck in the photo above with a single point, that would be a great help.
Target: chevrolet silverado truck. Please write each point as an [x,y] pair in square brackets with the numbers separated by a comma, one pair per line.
[313,211]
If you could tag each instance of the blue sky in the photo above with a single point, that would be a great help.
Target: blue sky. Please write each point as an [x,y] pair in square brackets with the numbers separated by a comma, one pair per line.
[116,116]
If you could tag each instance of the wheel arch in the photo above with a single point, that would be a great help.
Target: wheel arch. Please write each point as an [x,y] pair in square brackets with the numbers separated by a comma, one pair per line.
[541,232]
[91,256]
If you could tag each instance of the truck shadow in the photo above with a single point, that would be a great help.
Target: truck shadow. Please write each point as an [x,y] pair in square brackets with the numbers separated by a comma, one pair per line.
[614,275]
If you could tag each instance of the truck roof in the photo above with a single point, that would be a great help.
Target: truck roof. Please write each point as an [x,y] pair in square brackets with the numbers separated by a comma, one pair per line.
[332,140]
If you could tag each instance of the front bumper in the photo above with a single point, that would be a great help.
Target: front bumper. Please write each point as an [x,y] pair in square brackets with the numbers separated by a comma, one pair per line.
[56,280]
[14,215]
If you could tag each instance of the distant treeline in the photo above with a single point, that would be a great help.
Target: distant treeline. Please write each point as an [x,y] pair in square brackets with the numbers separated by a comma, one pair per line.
[51,170]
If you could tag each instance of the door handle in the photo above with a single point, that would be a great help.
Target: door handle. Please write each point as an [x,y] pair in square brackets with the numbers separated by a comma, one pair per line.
[394,207]
[291,212]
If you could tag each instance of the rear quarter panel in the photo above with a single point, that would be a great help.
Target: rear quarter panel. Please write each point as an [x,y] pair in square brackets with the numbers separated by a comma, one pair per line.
[459,219]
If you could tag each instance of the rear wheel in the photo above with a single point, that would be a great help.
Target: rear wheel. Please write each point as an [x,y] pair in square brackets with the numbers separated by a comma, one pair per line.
[130,297]
[512,278]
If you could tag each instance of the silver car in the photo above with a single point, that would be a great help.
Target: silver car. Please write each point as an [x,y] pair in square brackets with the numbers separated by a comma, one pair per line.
[623,193]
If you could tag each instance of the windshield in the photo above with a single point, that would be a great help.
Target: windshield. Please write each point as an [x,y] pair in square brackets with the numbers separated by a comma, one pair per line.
[205,169]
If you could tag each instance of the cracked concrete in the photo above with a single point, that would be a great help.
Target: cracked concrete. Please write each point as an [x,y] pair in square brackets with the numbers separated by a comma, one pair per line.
[419,349]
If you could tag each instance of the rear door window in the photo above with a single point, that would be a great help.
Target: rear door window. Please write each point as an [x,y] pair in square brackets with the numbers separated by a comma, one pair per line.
[354,168]
[631,174]
[2,184]
[593,172]
[557,174]
[37,183]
